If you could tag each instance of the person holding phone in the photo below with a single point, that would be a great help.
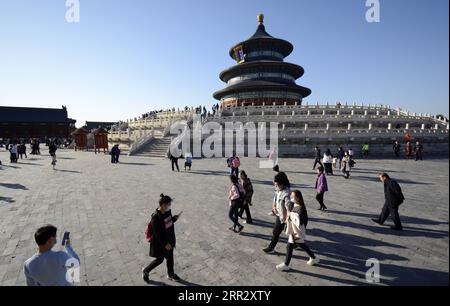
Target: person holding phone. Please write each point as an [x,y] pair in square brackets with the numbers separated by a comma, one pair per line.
[47,267]
[162,241]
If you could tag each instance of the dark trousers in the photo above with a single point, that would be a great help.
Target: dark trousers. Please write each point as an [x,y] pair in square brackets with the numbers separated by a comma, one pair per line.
[175,163]
[319,198]
[159,260]
[235,171]
[418,155]
[13,157]
[397,153]
[21,155]
[246,207]
[290,250]
[233,214]
[278,228]
[393,211]
[328,168]
[114,158]
[317,161]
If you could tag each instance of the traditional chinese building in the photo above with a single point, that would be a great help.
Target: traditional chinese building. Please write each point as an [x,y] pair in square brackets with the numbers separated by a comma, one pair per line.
[30,122]
[261,76]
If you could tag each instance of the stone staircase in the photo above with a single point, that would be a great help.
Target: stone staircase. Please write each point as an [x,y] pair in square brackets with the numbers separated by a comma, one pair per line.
[157,148]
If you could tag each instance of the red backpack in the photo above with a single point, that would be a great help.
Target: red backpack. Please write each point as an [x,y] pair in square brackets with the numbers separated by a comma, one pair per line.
[148,231]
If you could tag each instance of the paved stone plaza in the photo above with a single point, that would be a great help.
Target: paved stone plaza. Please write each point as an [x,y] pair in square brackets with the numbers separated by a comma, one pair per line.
[106,207]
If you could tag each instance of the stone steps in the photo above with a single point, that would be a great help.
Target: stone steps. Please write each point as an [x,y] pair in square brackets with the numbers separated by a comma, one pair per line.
[157,148]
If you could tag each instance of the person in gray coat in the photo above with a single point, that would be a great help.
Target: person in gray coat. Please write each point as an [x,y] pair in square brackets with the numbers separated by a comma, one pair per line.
[281,207]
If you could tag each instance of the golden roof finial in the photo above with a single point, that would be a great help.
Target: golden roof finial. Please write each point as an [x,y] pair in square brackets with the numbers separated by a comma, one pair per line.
[260,18]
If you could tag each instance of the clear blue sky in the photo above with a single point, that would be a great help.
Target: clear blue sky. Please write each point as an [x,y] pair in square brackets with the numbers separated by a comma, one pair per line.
[127,57]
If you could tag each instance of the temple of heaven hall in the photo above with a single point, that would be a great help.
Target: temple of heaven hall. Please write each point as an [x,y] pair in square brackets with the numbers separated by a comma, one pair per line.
[261,76]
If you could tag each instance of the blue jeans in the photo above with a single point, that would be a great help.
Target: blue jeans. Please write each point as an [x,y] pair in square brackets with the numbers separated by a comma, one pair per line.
[233,214]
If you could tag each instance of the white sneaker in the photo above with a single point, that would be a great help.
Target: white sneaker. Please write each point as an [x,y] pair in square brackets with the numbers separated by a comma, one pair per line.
[313,261]
[283,267]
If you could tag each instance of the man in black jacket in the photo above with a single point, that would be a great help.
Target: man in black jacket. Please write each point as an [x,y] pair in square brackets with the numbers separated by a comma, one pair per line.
[317,157]
[393,199]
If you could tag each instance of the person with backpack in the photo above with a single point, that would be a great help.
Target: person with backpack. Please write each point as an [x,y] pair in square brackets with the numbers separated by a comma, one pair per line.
[281,207]
[160,233]
[393,199]
[248,188]
[321,188]
[236,196]
[297,222]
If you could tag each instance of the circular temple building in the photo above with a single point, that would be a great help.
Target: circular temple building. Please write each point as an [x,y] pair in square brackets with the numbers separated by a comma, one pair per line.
[261,76]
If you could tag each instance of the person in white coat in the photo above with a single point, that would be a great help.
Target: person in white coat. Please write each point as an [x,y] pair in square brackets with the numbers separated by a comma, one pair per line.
[297,220]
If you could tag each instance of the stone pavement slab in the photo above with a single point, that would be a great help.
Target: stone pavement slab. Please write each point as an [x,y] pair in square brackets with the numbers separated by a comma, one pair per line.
[106,208]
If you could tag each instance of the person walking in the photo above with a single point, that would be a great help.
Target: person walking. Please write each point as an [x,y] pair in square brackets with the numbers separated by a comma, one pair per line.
[297,222]
[247,202]
[47,267]
[408,150]
[345,165]
[52,150]
[317,157]
[393,196]
[22,150]
[115,153]
[161,235]
[187,161]
[365,150]
[418,151]
[234,163]
[351,155]
[396,147]
[236,198]
[174,161]
[284,177]
[13,152]
[328,162]
[340,156]
[281,207]
[321,188]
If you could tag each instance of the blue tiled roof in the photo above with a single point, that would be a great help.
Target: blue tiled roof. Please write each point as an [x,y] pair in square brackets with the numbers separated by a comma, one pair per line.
[33,115]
